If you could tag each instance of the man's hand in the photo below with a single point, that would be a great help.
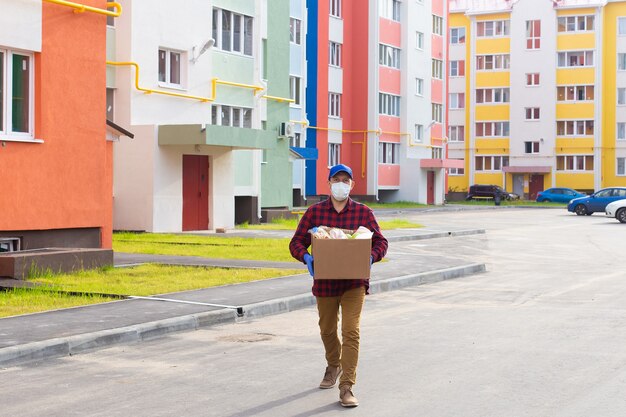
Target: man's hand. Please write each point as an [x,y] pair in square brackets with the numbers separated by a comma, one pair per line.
[308,259]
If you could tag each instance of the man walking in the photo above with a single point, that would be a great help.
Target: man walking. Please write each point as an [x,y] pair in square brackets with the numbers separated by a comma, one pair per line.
[339,210]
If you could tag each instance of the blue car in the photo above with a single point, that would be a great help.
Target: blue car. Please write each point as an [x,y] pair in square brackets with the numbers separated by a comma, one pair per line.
[558,195]
[596,202]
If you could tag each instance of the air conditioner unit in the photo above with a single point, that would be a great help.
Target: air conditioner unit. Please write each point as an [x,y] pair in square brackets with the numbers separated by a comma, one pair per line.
[285,130]
[9,244]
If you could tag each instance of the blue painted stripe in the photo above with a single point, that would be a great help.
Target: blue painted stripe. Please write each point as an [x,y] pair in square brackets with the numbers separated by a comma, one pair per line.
[311,92]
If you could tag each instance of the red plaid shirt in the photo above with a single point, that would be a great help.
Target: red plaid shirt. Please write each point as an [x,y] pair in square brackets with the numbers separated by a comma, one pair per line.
[351,217]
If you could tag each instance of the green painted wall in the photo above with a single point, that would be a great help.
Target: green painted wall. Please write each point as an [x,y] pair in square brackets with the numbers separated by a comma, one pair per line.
[276,175]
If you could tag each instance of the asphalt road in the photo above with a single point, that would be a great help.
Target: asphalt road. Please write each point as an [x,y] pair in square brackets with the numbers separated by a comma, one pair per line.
[542,333]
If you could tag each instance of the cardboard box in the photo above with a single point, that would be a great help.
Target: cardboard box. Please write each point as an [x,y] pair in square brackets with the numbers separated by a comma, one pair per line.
[341,258]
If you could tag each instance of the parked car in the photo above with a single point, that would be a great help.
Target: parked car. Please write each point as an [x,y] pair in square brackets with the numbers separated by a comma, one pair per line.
[558,195]
[596,202]
[489,191]
[617,210]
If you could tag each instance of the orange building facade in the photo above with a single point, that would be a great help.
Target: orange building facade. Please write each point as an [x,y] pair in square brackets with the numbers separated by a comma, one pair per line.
[55,158]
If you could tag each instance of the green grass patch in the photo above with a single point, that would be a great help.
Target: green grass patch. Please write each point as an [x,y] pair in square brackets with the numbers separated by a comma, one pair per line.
[205,246]
[141,280]
[291,224]
[154,279]
[529,203]
[396,205]
[19,301]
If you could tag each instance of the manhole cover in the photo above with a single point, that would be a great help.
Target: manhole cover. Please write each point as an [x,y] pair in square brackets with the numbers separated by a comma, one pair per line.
[247,337]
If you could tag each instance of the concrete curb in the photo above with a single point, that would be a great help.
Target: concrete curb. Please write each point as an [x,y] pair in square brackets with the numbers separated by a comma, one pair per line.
[435,235]
[68,346]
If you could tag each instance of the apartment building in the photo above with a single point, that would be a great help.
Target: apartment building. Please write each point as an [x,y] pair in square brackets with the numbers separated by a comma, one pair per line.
[205,88]
[541,84]
[55,143]
[375,97]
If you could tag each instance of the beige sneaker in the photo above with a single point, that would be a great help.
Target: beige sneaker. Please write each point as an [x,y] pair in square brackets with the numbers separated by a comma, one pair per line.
[330,377]
[346,397]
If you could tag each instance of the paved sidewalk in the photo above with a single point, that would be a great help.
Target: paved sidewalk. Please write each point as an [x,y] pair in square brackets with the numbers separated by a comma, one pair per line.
[65,332]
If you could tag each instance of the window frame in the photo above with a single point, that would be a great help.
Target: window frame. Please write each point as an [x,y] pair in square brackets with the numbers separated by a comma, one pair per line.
[334,8]
[245,48]
[419,132]
[533,39]
[334,105]
[575,125]
[295,90]
[389,56]
[388,153]
[388,104]
[503,161]
[493,59]
[576,21]
[458,38]
[456,101]
[437,69]
[334,54]
[182,68]
[457,68]
[489,129]
[243,122]
[565,161]
[568,55]
[503,24]
[295,31]
[617,160]
[334,154]
[419,40]
[419,87]
[531,147]
[532,113]
[7,132]
[456,133]
[438,24]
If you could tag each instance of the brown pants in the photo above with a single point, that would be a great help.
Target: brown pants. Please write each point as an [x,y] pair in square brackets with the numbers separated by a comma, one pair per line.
[346,354]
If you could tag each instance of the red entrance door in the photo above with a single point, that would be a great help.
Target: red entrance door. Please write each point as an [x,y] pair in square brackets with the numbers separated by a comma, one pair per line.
[535,186]
[430,187]
[195,192]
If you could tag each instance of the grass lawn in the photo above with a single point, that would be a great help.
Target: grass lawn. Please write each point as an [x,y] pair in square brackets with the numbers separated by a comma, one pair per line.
[206,246]
[140,280]
[290,224]
[525,203]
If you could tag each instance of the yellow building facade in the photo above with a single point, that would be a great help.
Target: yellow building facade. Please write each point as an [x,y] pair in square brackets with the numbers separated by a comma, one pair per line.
[544,88]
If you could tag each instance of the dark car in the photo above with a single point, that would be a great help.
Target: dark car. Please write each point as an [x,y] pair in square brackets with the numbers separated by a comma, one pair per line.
[558,195]
[478,191]
[596,202]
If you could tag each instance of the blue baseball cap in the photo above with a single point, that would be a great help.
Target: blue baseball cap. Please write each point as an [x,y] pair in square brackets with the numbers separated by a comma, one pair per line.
[339,168]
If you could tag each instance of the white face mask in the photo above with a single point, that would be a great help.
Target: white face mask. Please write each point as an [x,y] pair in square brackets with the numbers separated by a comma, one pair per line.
[340,190]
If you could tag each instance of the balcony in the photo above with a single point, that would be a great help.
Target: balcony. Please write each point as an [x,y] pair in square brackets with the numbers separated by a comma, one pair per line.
[235,137]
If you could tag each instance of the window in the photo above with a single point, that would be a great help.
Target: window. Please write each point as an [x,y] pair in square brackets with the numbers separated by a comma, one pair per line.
[169,67]
[574,128]
[457,68]
[389,9]
[493,28]
[574,163]
[419,86]
[16,94]
[621,166]
[532,79]
[335,8]
[621,131]
[419,133]
[437,112]
[231,116]
[294,141]
[491,163]
[232,32]
[437,69]
[531,147]
[334,104]
[532,113]
[295,90]
[437,25]
[295,31]
[621,25]
[334,51]
[110,103]
[621,62]
[457,35]
[457,101]
[493,95]
[533,34]
[419,40]
[493,62]
[621,96]
[575,93]
[388,104]
[334,154]
[388,153]
[456,171]
[575,23]
[575,59]
[456,133]
[436,152]
[388,56]
[492,129]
